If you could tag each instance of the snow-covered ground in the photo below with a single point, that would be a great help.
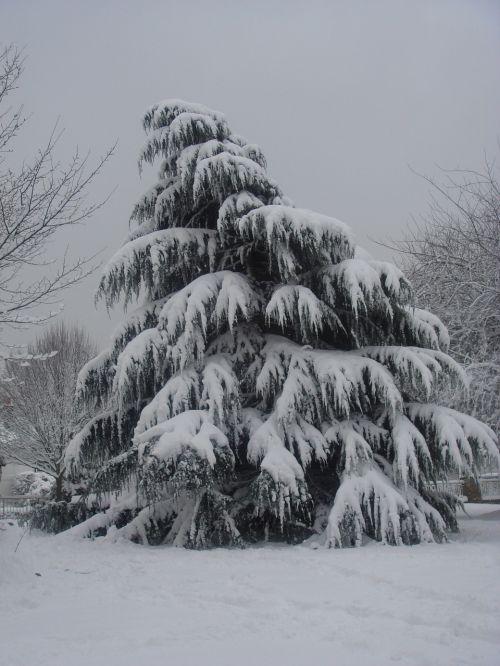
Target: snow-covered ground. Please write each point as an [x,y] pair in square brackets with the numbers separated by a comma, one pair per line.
[65,602]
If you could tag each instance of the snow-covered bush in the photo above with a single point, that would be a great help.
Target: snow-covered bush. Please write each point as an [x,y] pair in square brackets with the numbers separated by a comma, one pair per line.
[273,382]
[56,516]
[34,484]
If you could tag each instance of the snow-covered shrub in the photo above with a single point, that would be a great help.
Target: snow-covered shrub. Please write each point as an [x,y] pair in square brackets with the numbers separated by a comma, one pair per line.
[57,516]
[274,381]
[34,484]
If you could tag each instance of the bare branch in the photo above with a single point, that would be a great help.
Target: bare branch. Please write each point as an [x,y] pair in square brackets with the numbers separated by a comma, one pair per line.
[452,257]
[38,411]
[36,201]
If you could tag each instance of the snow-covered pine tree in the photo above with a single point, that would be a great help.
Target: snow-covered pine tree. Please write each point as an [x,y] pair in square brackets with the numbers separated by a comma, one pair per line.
[273,382]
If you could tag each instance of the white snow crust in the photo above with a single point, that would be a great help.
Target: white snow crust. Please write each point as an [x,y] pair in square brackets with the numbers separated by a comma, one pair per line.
[119,604]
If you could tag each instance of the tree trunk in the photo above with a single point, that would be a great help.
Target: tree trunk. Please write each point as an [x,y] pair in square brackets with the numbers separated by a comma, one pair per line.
[59,486]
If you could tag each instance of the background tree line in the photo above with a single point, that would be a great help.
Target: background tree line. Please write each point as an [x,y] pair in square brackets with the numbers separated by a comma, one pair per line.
[452,257]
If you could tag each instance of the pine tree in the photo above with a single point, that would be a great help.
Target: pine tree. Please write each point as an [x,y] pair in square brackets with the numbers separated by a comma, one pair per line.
[273,382]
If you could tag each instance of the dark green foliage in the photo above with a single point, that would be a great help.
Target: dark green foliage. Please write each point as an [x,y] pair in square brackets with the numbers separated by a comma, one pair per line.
[55,517]
[273,383]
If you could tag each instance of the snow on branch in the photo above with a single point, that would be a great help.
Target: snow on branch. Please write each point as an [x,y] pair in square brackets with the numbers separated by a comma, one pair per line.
[156,259]
[215,387]
[211,302]
[274,361]
[234,207]
[280,486]
[212,148]
[295,238]
[95,379]
[172,205]
[297,306]
[369,503]
[191,429]
[143,317]
[425,328]
[243,344]
[219,176]
[415,366]
[181,393]
[356,452]
[353,282]
[163,113]
[171,451]
[325,385]
[456,440]
[221,393]
[302,440]
[143,211]
[93,443]
[393,282]
[411,456]
[185,129]
[140,368]
[217,300]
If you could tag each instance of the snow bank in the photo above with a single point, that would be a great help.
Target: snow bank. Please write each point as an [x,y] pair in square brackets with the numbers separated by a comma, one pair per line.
[121,605]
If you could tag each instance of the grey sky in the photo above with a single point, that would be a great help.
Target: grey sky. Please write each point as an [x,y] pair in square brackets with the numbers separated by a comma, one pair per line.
[342,97]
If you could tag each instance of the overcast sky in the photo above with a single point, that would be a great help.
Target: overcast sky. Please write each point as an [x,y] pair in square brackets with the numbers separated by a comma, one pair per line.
[343,96]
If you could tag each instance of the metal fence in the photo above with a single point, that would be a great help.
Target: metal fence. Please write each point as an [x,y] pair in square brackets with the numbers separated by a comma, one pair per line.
[455,486]
[490,488]
[20,506]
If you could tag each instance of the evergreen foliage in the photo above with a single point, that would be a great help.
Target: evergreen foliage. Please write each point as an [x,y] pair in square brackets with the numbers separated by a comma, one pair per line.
[274,381]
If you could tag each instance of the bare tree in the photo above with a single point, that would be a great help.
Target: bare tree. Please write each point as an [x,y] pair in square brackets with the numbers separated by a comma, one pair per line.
[38,410]
[37,199]
[453,260]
